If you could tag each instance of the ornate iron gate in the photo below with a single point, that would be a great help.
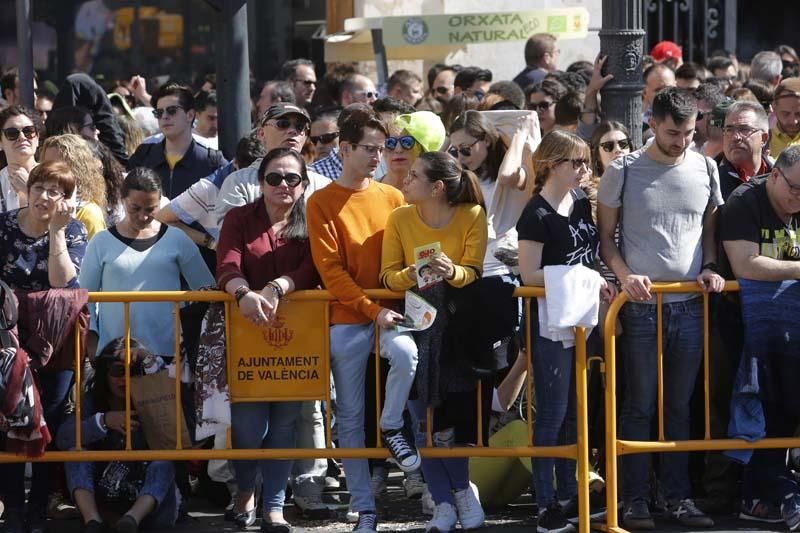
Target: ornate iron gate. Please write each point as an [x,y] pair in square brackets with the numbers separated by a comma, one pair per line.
[698,26]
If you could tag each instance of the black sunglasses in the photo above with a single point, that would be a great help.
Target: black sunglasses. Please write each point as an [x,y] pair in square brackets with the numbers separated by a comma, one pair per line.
[578,163]
[406,142]
[608,146]
[544,105]
[170,110]
[441,89]
[466,151]
[325,138]
[292,180]
[12,134]
[285,124]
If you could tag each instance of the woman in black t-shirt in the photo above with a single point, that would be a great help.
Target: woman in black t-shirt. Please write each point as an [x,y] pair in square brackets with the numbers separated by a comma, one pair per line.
[556,228]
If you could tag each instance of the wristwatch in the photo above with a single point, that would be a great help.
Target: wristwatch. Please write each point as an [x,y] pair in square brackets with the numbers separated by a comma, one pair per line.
[240,293]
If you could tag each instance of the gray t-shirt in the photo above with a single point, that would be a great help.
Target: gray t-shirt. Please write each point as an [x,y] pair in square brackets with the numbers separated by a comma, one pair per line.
[661,215]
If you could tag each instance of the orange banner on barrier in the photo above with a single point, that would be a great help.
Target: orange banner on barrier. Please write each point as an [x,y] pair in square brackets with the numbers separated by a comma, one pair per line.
[283,362]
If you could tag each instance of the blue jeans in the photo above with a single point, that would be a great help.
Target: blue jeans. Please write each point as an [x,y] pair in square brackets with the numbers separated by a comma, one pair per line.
[53,390]
[159,482]
[264,425]
[682,342]
[351,345]
[555,422]
[401,351]
[443,476]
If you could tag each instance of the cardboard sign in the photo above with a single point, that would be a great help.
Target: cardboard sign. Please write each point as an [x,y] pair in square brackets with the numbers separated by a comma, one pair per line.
[285,361]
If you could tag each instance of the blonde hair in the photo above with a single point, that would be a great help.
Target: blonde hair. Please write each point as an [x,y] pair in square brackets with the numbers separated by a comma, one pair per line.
[76,153]
[556,147]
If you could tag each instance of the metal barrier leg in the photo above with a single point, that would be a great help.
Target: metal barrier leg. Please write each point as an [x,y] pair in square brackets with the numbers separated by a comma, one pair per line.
[583,430]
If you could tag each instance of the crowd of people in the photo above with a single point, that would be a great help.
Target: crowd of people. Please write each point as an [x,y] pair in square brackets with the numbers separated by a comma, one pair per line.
[338,186]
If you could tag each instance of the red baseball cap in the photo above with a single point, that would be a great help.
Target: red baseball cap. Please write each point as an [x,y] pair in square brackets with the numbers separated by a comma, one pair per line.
[666,50]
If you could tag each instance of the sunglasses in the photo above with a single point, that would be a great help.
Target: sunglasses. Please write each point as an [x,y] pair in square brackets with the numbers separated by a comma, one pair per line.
[307,83]
[406,142]
[544,105]
[608,146]
[325,138]
[285,124]
[442,89]
[369,94]
[292,180]
[465,151]
[578,163]
[169,110]
[12,134]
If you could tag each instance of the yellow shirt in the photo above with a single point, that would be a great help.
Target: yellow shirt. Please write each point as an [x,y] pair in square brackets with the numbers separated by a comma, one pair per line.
[779,141]
[172,160]
[463,240]
[91,215]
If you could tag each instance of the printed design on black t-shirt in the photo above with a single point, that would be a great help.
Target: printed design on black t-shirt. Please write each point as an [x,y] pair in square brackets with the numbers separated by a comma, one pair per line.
[584,245]
[780,243]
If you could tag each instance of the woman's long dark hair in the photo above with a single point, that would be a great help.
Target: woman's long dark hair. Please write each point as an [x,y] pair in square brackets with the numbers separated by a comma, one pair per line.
[603,128]
[296,228]
[476,125]
[460,184]
[97,384]
[113,173]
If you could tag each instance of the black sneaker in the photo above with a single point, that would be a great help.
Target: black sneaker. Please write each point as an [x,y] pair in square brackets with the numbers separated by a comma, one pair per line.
[552,520]
[93,526]
[404,453]
[637,516]
[597,507]
[686,513]
[757,510]
[367,523]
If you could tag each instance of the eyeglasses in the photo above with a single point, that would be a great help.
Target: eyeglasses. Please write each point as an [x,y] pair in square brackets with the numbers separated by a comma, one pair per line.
[325,138]
[794,189]
[443,89]
[52,194]
[464,150]
[368,94]
[371,150]
[12,134]
[170,110]
[544,105]
[285,124]
[739,131]
[608,146]
[406,142]
[292,180]
[578,163]
[307,83]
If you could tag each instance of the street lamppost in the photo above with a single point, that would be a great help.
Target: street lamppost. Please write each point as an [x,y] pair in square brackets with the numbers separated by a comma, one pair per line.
[622,40]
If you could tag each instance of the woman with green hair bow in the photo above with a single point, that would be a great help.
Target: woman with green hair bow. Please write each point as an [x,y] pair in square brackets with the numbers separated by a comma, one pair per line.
[411,135]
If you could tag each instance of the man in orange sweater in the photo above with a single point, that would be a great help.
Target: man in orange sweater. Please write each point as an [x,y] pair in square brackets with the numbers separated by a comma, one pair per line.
[346,221]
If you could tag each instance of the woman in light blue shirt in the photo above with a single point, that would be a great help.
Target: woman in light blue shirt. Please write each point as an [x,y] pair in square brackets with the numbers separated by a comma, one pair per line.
[140,254]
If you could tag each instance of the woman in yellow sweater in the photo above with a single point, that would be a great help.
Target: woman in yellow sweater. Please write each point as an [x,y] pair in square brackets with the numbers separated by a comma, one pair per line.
[90,188]
[447,210]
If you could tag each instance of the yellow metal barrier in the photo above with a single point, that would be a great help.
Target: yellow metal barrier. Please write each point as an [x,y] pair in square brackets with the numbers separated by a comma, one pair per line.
[616,447]
[578,451]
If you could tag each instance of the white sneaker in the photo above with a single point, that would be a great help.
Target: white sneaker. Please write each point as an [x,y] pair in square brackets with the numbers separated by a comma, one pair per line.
[414,485]
[428,505]
[312,506]
[351,516]
[468,505]
[444,519]
[377,481]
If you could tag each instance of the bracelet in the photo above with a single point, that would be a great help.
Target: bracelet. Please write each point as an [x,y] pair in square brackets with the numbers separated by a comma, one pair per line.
[58,253]
[276,288]
[240,293]
[101,421]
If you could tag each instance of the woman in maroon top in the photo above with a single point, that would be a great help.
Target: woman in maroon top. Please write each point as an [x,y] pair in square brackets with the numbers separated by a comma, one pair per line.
[263,253]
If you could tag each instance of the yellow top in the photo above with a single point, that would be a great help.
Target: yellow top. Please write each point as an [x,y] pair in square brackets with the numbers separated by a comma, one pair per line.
[463,240]
[172,160]
[91,215]
[780,141]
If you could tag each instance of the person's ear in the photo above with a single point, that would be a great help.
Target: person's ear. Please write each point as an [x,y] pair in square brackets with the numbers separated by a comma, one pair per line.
[191,114]
[652,123]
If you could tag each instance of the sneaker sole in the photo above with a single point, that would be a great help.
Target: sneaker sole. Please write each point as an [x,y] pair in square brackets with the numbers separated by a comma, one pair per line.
[569,528]
[751,518]
[639,526]
[411,468]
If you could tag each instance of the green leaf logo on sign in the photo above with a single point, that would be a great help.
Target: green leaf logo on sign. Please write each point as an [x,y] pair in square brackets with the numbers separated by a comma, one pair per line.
[415,30]
[557,24]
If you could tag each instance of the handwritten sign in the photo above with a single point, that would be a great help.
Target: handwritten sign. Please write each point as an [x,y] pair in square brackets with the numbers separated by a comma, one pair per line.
[281,362]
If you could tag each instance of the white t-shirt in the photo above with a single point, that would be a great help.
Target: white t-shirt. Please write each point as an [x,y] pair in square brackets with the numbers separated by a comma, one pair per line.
[8,196]
[503,209]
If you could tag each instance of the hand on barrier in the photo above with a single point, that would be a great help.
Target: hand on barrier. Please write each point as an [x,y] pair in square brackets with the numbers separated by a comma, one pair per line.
[255,308]
[710,281]
[115,421]
[386,318]
[637,287]
[608,291]
[272,303]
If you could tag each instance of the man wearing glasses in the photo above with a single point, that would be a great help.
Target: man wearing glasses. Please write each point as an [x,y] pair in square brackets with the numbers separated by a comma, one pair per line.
[744,137]
[300,73]
[665,200]
[282,126]
[358,89]
[179,160]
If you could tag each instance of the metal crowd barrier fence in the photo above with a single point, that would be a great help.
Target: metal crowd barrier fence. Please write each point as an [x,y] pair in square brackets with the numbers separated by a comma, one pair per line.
[279,339]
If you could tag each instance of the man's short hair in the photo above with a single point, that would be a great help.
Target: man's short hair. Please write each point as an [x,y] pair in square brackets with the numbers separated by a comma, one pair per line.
[389,104]
[765,92]
[289,68]
[8,82]
[537,46]
[438,68]
[766,66]
[467,76]
[709,92]
[351,129]
[248,149]
[674,103]
[571,80]
[204,100]
[739,106]
[789,157]
[568,109]
[510,92]
[283,92]
[330,112]
[349,83]
[718,62]
[690,71]
[402,78]
[184,94]
[549,87]
[653,68]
